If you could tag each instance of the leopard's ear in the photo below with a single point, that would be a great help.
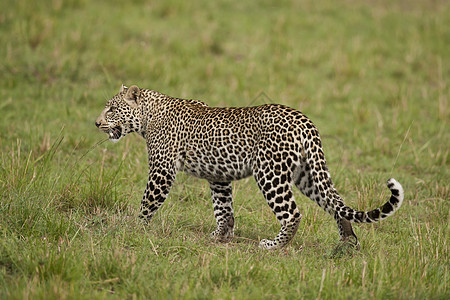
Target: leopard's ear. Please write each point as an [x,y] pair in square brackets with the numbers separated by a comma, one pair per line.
[122,88]
[132,96]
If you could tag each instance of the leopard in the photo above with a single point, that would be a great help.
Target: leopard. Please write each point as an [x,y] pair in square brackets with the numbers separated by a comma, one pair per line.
[279,146]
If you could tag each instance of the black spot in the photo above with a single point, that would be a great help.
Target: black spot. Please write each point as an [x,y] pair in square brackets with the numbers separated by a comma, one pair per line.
[223,199]
[374,214]
[294,156]
[393,200]
[289,161]
[359,215]
[395,193]
[276,181]
[277,158]
[387,208]
[293,205]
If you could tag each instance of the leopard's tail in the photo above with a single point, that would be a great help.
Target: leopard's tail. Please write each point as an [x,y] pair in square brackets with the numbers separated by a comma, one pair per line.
[382,212]
[328,198]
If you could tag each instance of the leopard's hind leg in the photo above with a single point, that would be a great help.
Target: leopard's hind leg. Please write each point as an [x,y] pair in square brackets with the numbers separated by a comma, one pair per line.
[346,233]
[305,183]
[276,188]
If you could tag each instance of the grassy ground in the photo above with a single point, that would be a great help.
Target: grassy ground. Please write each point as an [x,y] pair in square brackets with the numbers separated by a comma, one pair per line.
[373,76]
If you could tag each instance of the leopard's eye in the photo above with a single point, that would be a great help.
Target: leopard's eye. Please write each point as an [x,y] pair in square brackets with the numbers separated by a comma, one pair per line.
[110,110]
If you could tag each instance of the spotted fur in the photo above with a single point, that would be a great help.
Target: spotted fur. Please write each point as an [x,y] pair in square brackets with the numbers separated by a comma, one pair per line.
[276,144]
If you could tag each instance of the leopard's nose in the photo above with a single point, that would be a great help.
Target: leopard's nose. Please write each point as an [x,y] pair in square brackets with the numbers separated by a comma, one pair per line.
[97,124]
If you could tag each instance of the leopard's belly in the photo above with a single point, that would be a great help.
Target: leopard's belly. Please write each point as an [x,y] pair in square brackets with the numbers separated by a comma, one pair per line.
[214,167]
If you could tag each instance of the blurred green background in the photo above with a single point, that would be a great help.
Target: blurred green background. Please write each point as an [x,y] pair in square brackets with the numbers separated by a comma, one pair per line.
[372,75]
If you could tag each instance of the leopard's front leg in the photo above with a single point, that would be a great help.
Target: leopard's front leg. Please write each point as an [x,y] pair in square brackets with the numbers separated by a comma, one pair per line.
[221,193]
[160,180]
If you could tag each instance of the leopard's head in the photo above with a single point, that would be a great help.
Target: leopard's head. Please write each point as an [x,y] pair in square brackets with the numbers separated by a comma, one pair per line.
[122,114]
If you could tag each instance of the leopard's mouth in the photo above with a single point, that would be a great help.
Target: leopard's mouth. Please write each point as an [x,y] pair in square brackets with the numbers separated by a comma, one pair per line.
[115,133]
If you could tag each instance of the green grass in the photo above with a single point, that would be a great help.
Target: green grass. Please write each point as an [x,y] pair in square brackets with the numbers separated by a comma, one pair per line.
[372,75]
